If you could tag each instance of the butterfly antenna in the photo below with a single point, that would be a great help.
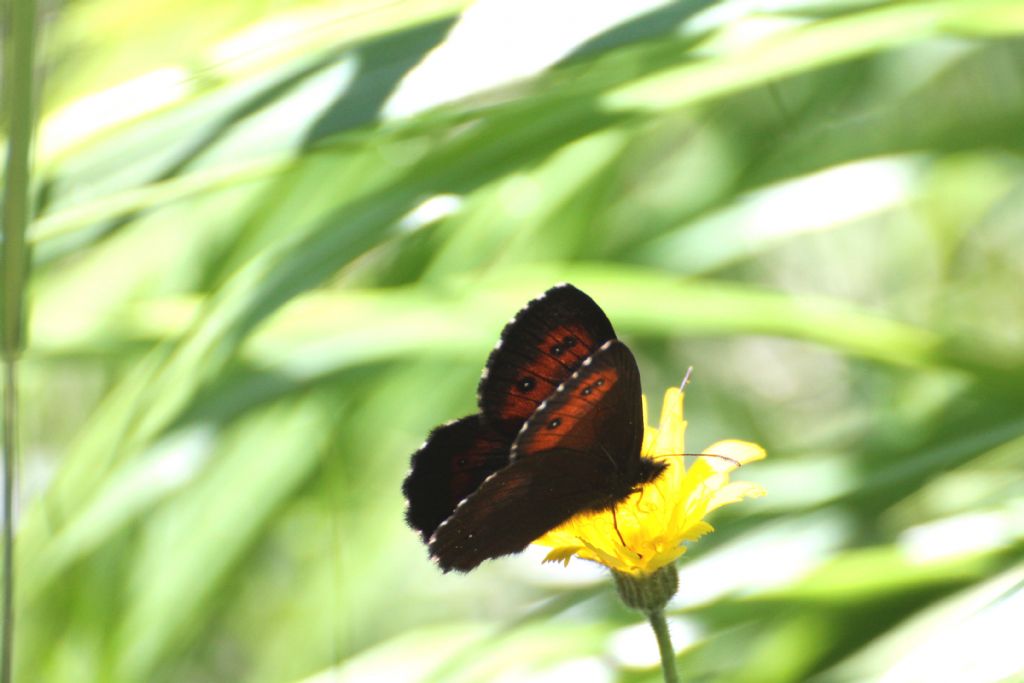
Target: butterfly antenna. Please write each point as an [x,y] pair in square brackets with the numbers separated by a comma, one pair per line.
[686,378]
[734,461]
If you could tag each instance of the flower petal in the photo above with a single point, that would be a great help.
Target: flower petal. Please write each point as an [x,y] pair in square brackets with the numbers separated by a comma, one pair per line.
[650,434]
[733,493]
[608,559]
[742,452]
[654,525]
[699,529]
[671,425]
[733,451]
[563,554]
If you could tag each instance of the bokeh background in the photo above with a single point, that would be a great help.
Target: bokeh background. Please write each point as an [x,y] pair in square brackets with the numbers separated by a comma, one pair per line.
[275,242]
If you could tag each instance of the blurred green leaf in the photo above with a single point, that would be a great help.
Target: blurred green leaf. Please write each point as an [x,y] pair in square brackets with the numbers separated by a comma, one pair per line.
[258,283]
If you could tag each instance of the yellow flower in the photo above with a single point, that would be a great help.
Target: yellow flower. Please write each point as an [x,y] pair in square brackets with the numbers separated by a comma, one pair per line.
[656,522]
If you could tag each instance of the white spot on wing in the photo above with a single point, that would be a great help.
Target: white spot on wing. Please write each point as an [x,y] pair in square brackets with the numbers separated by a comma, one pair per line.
[433,536]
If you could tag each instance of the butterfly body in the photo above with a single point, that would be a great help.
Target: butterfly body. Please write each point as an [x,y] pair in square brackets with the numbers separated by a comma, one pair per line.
[559,434]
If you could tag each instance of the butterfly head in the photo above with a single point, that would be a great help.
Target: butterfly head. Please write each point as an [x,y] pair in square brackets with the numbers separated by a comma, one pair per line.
[648,470]
[644,472]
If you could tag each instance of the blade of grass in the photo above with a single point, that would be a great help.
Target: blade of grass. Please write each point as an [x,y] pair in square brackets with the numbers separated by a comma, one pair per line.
[804,49]
[19,98]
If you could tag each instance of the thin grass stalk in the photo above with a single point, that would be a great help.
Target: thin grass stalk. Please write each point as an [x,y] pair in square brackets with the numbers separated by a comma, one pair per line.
[18,116]
[10,472]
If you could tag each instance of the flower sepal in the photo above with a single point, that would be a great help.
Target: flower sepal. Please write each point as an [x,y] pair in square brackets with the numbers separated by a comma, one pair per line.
[647,593]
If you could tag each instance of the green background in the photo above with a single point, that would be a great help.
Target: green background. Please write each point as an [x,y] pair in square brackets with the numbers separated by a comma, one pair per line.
[258,282]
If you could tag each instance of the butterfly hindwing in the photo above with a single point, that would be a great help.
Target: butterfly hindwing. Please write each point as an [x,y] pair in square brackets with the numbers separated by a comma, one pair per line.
[515,506]
[539,349]
[451,464]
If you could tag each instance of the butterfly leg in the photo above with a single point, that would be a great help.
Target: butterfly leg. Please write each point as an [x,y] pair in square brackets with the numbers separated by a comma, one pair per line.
[615,523]
[639,489]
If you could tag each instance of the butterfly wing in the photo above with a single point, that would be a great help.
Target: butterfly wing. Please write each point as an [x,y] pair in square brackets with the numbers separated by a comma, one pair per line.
[599,410]
[514,507]
[546,341]
[453,461]
[579,451]
[539,349]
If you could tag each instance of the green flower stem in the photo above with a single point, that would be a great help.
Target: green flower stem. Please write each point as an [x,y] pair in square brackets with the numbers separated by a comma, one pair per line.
[668,654]
[649,593]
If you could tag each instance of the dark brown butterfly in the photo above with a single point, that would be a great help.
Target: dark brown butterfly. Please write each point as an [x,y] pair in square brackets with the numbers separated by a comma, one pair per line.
[559,433]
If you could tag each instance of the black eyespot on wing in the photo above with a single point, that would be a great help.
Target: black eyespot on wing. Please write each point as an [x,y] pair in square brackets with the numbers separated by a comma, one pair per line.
[547,341]
[598,409]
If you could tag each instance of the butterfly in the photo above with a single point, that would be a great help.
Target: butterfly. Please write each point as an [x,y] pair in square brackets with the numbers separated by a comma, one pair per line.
[559,434]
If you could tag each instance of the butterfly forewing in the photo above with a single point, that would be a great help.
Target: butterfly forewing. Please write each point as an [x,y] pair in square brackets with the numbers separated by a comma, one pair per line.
[599,408]
[539,349]
[542,345]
